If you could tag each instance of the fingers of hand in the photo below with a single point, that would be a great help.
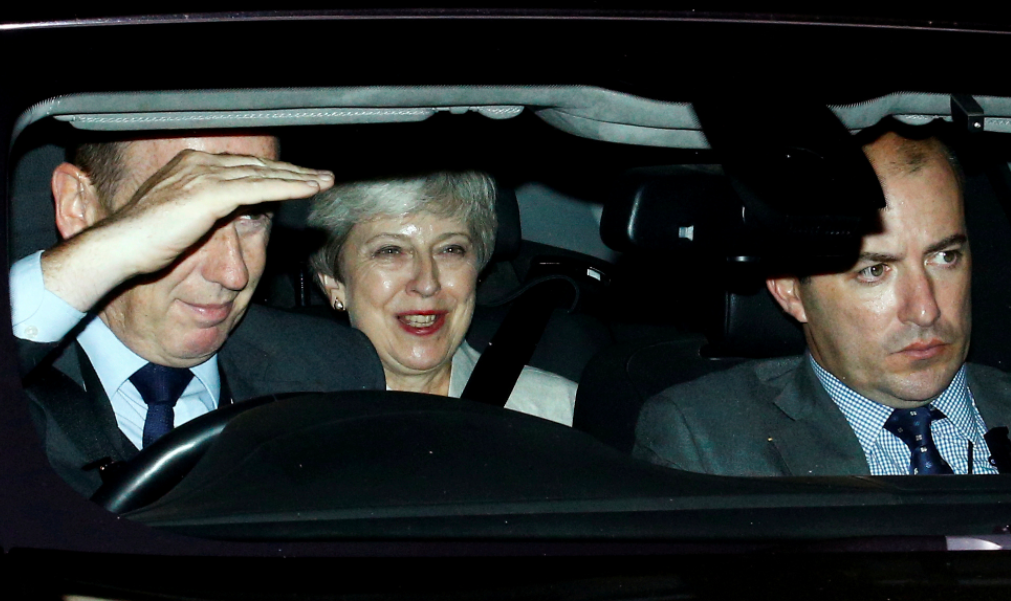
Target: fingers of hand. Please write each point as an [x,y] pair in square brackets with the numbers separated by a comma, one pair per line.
[243,166]
[219,182]
[271,172]
[254,189]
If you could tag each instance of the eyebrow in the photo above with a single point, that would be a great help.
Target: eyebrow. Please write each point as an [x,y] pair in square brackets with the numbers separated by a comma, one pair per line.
[405,237]
[952,240]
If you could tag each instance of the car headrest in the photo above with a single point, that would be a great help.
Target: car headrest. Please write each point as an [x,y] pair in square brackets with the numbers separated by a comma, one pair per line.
[688,211]
[677,207]
[699,209]
[754,326]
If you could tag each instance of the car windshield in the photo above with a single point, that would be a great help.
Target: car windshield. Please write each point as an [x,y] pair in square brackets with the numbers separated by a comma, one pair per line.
[690,315]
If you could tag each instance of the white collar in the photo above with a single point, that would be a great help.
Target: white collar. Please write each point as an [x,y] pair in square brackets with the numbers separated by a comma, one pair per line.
[114,362]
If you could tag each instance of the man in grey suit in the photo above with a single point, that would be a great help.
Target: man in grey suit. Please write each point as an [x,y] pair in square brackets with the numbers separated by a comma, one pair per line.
[126,326]
[884,388]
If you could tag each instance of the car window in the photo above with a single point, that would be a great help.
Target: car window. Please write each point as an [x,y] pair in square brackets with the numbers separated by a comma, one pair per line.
[650,313]
[639,237]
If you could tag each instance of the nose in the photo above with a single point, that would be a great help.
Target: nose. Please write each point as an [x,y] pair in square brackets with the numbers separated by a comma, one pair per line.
[426,277]
[223,261]
[918,301]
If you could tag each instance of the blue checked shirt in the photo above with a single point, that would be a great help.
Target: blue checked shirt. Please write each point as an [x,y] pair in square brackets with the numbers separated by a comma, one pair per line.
[886,454]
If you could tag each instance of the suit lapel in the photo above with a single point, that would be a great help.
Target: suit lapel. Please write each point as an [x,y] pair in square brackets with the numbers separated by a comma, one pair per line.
[991,389]
[98,412]
[991,392]
[78,405]
[224,392]
[815,439]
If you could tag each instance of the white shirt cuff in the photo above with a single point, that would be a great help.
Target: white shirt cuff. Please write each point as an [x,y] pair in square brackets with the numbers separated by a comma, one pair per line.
[36,313]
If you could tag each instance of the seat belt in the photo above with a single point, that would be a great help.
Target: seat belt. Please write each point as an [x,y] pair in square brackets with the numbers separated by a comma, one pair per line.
[552,282]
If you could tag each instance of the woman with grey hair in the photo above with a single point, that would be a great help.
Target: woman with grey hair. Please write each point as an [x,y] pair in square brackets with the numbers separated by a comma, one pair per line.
[402,256]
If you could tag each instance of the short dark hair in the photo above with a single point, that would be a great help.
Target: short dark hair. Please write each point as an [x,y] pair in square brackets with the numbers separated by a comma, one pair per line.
[100,155]
[103,164]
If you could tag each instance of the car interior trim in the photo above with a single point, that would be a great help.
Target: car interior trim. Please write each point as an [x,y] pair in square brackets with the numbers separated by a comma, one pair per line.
[585,111]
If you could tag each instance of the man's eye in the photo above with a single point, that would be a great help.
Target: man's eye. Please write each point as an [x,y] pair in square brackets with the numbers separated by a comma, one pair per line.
[948,257]
[262,212]
[872,273]
[253,221]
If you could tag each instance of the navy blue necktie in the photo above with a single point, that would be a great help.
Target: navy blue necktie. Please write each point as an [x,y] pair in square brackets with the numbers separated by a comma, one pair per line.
[913,427]
[160,387]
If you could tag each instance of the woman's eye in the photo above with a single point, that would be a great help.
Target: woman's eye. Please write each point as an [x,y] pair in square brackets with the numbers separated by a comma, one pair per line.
[872,273]
[388,251]
[455,249]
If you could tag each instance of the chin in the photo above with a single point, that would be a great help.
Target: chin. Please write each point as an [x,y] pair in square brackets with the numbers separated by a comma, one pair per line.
[426,364]
[200,346]
[924,387]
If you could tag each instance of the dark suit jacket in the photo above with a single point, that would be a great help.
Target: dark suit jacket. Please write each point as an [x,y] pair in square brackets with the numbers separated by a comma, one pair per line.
[270,352]
[773,418]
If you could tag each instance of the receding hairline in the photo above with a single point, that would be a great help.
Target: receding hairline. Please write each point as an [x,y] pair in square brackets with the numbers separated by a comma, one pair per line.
[893,155]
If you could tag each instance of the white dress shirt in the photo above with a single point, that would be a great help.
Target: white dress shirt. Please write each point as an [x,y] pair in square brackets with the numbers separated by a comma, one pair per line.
[537,392]
[40,316]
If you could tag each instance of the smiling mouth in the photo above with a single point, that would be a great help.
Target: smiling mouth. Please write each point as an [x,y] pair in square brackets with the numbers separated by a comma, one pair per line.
[422,323]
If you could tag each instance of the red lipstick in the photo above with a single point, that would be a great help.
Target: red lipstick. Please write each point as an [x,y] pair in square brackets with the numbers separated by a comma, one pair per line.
[421,323]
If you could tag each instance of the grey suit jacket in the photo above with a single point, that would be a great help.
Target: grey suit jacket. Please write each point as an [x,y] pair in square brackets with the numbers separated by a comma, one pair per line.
[773,418]
[270,352]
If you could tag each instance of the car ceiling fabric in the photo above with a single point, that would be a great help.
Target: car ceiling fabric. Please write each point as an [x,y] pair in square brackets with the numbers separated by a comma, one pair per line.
[585,111]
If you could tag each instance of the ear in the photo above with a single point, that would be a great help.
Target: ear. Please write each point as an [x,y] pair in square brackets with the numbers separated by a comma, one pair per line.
[76,200]
[335,291]
[786,291]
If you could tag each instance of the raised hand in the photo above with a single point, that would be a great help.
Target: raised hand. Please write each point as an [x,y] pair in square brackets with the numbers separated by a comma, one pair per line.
[168,214]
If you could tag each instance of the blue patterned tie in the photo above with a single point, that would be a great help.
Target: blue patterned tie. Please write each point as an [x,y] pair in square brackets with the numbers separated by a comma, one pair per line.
[160,387]
[913,427]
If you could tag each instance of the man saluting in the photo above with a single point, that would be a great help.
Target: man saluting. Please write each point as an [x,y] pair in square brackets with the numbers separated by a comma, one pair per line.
[164,242]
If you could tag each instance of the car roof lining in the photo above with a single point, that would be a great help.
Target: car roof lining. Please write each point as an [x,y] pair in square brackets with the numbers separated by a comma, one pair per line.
[586,111]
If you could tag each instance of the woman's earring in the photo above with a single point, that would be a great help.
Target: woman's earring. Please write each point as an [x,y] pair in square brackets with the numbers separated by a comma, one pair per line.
[337,305]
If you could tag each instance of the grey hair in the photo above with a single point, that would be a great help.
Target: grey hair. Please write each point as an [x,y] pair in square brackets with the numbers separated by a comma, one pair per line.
[465,195]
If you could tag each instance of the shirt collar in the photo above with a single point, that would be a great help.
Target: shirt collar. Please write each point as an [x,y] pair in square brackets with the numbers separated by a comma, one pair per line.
[464,360]
[114,362]
[957,403]
[867,417]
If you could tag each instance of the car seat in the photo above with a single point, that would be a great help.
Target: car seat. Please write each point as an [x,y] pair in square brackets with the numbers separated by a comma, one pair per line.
[618,380]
